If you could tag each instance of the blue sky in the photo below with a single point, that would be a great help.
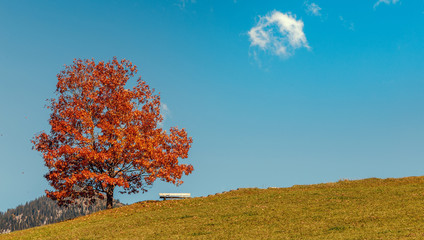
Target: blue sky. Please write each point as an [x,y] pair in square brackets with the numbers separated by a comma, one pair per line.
[274,93]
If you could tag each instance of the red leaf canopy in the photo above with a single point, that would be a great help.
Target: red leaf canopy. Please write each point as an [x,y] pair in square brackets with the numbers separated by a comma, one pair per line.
[104,135]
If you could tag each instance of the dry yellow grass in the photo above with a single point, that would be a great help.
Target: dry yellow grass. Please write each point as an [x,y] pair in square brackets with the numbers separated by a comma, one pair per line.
[362,209]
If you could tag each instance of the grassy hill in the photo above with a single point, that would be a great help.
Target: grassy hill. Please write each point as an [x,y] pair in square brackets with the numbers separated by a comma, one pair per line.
[362,209]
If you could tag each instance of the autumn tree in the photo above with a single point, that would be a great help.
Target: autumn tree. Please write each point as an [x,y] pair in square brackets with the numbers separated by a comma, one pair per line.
[104,135]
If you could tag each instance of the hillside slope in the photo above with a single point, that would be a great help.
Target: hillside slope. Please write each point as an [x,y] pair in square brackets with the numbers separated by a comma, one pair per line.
[362,209]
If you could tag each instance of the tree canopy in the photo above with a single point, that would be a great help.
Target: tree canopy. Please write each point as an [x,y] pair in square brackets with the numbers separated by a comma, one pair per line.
[104,135]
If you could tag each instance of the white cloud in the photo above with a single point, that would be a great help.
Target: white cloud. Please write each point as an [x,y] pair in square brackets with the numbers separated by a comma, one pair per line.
[279,33]
[312,9]
[386,2]
[347,24]
[165,112]
[182,3]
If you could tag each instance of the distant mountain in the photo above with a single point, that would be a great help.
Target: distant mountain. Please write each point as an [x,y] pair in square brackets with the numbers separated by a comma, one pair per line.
[42,211]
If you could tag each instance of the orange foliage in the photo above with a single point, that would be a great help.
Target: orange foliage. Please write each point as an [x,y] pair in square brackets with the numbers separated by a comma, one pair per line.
[104,135]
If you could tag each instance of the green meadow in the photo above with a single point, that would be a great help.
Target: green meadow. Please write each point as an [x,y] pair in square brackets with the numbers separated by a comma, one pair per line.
[361,209]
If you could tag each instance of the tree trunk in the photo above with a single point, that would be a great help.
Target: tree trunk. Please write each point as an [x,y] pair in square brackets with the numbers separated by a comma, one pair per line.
[109,197]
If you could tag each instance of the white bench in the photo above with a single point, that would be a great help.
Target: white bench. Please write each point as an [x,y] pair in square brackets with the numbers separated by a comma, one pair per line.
[164,196]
